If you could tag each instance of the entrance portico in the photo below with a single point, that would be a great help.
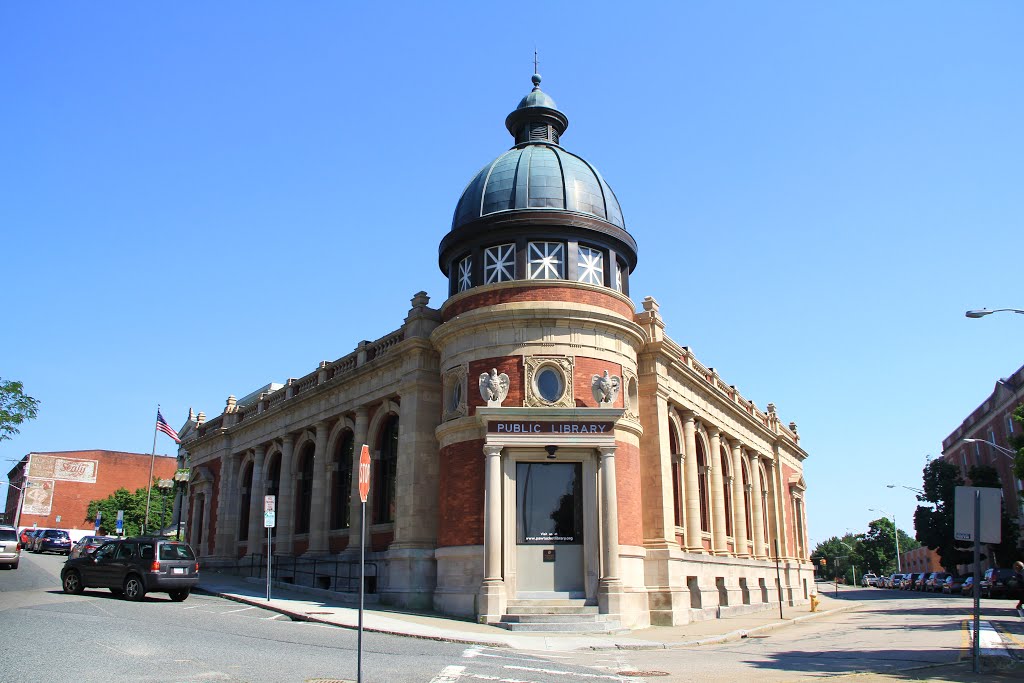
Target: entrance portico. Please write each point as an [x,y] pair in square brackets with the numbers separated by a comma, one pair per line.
[550,507]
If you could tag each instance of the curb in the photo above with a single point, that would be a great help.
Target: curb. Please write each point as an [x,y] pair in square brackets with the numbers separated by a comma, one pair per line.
[710,640]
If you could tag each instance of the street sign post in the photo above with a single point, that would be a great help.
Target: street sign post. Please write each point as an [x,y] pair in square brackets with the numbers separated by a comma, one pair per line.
[977,516]
[120,523]
[99,516]
[364,491]
[269,521]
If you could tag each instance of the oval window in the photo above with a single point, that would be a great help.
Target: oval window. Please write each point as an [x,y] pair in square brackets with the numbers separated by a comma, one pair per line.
[549,384]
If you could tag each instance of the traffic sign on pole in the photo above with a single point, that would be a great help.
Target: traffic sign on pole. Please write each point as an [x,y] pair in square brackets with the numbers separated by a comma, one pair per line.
[99,516]
[120,522]
[364,473]
[269,519]
[268,503]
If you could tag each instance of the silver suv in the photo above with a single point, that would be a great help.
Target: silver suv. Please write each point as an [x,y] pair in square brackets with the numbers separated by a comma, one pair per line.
[10,549]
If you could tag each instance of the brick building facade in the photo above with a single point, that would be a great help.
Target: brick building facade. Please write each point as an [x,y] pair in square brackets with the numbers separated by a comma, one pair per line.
[533,437]
[921,559]
[54,489]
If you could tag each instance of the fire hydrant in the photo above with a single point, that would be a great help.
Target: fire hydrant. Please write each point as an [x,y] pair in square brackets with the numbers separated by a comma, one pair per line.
[815,601]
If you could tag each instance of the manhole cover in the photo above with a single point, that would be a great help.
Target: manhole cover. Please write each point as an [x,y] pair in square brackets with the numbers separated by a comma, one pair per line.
[326,680]
[329,680]
[641,674]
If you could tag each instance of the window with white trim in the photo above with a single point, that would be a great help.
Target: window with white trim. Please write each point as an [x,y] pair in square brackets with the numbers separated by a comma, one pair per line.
[546,261]
[590,266]
[618,276]
[499,263]
[465,280]
[1009,424]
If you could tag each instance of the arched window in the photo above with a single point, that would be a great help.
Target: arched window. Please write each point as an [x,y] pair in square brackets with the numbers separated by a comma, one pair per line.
[243,512]
[384,476]
[747,510]
[726,492]
[677,503]
[702,486]
[764,503]
[341,482]
[304,492]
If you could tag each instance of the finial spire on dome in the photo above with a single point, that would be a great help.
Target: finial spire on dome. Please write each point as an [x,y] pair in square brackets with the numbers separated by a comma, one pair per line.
[536,70]
[537,118]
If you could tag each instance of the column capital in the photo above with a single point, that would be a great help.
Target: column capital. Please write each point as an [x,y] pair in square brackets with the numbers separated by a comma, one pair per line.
[748,487]
[362,411]
[689,415]
[286,439]
[713,431]
[607,451]
[492,450]
[735,443]
[259,452]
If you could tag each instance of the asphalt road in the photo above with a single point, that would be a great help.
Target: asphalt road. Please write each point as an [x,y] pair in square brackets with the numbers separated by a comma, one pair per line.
[46,635]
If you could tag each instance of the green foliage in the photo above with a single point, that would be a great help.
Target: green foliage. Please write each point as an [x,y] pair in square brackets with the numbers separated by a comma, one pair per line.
[15,407]
[841,558]
[134,506]
[934,524]
[878,549]
[1017,441]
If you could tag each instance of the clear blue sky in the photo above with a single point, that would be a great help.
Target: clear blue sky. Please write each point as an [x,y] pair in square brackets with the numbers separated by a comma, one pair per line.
[196,200]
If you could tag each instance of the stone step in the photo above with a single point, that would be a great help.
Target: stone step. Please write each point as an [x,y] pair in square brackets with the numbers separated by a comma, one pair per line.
[550,602]
[575,627]
[553,609]
[552,618]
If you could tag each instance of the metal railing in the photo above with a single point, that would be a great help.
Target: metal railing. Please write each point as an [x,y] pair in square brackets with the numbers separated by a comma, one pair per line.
[341,576]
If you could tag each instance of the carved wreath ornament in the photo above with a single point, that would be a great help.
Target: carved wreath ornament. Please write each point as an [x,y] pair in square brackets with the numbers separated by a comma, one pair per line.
[605,389]
[493,387]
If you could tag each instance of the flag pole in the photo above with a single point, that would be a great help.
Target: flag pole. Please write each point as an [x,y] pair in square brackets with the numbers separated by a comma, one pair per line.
[152,463]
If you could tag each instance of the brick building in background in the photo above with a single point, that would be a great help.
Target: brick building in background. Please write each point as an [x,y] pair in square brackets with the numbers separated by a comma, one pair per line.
[534,437]
[53,490]
[921,559]
[983,438]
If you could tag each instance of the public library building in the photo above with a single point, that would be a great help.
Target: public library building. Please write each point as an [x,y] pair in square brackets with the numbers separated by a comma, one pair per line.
[534,438]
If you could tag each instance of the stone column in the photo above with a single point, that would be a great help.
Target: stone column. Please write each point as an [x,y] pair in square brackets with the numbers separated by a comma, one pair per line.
[418,466]
[359,436]
[318,514]
[225,499]
[609,517]
[757,511]
[492,598]
[693,535]
[774,528]
[739,523]
[256,488]
[719,544]
[286,498]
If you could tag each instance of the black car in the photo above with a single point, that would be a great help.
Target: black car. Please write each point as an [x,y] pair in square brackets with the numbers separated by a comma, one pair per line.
[133,567]
[996,583]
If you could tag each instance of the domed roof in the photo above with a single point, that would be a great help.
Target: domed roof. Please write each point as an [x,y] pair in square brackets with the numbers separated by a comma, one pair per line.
[538,173]
[538,176]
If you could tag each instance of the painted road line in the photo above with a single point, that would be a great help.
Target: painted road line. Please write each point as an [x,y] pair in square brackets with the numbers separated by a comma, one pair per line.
[232,611]
[449,674]
[560,672]
[989,640]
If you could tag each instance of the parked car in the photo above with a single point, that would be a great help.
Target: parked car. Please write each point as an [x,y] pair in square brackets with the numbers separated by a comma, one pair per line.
[919,580]
[996,582]
[933,582]
[868,580]
[967,588]
[25,538]
[10,547]
[133,567]
[952,584]
[52,541]
[87,545]
[894,580]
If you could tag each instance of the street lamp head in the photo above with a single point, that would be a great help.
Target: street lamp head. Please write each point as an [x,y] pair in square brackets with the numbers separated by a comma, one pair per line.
[978,313]
[890,486]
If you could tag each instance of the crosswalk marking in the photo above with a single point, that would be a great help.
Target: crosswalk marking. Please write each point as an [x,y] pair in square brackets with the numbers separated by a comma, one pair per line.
[449,674]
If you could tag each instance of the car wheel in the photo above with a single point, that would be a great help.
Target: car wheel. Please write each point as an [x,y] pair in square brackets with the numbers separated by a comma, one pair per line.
[134,589]
[117,591]
[179,596]
[15,565]
[73,582]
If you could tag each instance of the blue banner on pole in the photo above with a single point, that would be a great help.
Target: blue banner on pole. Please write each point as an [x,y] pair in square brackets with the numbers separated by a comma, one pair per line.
[99,516]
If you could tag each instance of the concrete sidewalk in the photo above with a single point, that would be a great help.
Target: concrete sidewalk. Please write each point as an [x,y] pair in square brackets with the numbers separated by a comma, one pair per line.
[303,604]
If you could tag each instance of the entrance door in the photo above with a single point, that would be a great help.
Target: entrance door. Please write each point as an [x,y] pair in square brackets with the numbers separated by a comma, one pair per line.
[549,528]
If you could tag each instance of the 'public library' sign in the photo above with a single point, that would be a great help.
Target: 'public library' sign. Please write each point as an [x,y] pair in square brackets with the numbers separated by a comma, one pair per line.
[529,427]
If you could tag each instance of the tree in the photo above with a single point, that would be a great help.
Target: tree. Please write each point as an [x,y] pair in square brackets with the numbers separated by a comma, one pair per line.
[15,407]
[1005,552]
[934,525]
[134,506]
[878,547]
[1017,441]
[841,558]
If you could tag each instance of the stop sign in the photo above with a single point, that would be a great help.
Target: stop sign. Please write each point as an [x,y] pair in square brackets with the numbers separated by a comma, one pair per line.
[364,473]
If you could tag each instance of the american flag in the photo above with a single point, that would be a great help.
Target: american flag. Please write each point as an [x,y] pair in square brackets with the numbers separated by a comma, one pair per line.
[162,425]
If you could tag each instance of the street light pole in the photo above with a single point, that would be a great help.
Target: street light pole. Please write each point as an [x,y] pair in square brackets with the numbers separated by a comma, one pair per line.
[982,312]
[909,488]
[1001,449]
[896,535]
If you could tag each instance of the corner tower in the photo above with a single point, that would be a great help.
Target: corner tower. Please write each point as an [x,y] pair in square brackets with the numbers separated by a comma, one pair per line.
[539,440]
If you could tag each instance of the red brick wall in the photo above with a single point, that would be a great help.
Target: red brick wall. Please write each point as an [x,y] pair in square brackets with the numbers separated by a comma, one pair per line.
[461,489]
[584,370]
[114,470]
[627,484]
[530,292]
[511,366]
